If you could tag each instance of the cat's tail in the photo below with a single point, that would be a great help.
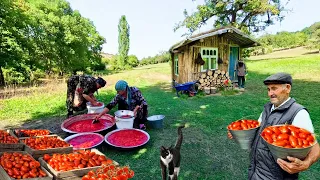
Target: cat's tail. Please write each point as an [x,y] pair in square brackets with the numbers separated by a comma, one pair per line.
[180,137]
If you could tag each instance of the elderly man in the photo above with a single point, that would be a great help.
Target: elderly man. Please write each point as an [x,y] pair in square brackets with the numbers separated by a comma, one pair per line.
[280,110]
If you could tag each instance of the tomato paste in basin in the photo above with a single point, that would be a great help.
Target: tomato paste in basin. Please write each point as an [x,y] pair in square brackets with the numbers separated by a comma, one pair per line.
[85,140]
[127,138]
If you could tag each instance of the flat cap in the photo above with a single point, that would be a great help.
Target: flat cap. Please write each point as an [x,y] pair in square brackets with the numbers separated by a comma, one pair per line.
[278,78]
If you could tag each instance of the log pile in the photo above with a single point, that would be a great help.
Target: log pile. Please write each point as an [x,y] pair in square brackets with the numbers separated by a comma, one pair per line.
[213,78]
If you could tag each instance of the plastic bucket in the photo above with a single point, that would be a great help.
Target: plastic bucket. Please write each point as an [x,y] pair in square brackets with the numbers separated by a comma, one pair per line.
[94,109]
[156,121]
[124,122]
[244,137]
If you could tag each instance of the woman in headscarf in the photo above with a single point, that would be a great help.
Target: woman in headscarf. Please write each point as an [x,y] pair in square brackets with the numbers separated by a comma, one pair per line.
[129,98]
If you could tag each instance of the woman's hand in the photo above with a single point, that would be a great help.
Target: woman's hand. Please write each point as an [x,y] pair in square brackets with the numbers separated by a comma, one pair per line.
[136,110]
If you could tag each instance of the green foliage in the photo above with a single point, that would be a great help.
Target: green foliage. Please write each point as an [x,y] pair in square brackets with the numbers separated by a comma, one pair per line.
[314,42]
[133,61]
[124,43]
[249,16]
[281,40]
[161,57]
[47,36]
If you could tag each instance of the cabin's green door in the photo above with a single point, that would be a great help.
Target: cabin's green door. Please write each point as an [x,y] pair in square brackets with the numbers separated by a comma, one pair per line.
[233,59]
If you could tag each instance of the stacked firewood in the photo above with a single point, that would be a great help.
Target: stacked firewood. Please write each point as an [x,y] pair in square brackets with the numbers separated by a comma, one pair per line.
[214,78]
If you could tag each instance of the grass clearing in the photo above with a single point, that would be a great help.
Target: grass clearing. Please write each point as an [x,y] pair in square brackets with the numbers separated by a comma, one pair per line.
[206,151]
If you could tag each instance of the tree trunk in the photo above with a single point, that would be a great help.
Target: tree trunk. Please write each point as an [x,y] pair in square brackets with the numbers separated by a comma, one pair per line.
[2,82]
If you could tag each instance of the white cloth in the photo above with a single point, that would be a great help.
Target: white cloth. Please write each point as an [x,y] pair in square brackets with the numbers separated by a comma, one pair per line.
[302,118]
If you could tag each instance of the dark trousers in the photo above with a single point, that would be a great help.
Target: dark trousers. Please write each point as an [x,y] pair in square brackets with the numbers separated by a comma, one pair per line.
[241,81]
[71,88]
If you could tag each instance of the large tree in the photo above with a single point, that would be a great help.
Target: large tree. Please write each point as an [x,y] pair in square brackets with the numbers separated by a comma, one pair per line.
[124,42]
[247,15]
[45,36]
[14,42]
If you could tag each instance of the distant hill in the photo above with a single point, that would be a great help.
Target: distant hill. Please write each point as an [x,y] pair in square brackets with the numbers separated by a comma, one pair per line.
[286,40]
[106,55]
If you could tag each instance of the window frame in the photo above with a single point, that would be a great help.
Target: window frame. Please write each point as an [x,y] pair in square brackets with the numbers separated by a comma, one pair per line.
[176,64]
[210,57]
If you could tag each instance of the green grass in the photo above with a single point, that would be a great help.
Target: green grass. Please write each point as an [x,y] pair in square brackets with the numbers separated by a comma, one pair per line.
[206,151]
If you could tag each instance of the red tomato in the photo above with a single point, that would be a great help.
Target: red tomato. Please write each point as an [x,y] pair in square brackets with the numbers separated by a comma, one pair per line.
[310,138]
[280,143]
[268,131]
[283,137]
[276,130]
[284,129]
[295,133]
[293,141]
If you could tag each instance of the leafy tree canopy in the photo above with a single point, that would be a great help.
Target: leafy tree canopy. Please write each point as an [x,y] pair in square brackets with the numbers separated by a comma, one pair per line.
[247,15]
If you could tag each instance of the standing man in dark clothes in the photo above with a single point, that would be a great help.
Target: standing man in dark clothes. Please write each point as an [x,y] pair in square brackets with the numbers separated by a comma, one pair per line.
[81,89]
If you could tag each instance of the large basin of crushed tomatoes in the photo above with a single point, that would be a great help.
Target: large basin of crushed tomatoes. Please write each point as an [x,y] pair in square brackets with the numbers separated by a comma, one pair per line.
[84,140]
[83,123]
[127,138]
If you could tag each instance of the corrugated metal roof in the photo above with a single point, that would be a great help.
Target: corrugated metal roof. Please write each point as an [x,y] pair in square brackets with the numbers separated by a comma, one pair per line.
[230,32]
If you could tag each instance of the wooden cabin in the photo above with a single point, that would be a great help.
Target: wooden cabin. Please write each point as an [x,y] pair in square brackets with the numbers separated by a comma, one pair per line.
[220,49]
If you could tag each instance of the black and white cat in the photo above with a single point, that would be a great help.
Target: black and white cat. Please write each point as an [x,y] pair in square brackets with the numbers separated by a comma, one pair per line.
[170,158]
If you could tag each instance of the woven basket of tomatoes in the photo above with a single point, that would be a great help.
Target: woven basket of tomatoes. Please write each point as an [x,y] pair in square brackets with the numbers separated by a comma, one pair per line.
[9,142]
[74,165]
[288,140]
[38,146]
[243,131]
[20,165]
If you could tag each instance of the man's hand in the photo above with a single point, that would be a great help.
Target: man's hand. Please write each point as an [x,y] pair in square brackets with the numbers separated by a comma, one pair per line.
[229,135]
[294,166]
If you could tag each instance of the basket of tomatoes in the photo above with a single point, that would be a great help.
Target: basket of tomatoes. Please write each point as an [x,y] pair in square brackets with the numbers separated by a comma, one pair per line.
[288,140]
[243,131]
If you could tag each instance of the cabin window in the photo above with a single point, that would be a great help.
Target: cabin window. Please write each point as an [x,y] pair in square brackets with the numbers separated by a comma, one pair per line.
[176,65]
[210,57]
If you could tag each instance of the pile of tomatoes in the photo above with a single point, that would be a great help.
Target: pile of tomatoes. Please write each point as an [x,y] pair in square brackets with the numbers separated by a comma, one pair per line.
[110,172]
[5,137]
[45,142]
[32,132]
[21,166]
[243,124]
[77,160]
[288,136]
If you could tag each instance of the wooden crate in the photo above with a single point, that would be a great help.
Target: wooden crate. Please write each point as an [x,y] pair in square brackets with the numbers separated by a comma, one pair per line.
[4,147]
[5,176]
[39,153]
[14,132]
[72,174]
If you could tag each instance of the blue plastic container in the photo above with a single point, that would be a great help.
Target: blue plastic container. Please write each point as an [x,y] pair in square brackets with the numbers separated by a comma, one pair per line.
[156,121]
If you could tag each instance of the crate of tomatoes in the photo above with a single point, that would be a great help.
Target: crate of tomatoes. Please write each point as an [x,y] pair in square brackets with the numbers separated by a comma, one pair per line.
[243,132]
[288,140]
[38,146]
[73,166]
[21,165]
[110,172]
[9,142]
[21,133]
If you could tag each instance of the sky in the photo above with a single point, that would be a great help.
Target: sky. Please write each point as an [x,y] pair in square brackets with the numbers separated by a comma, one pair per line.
[152,21]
